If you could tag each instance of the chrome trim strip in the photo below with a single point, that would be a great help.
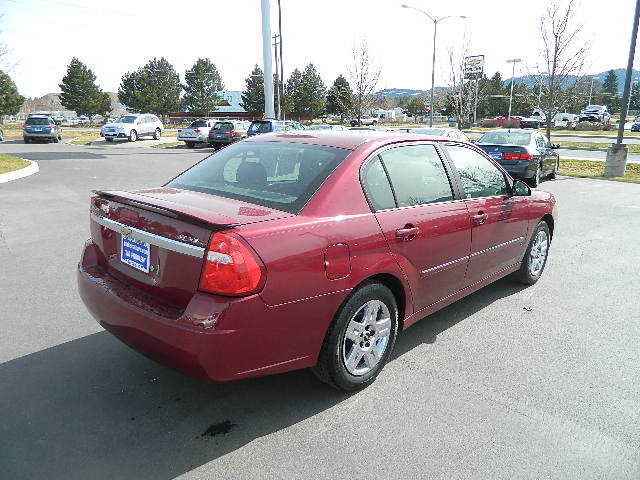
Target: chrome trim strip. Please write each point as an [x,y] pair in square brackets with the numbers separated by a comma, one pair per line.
[495,247]
[452,263]
[150,238]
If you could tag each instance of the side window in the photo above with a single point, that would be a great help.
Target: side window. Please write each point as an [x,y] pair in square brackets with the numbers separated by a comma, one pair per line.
[376,186]
[479,177]
[540,143]
[417,175]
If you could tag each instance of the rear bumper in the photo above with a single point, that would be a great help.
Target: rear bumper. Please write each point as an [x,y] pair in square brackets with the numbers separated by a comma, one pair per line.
[198,139]
[39,134]
[519,171]
[213,338]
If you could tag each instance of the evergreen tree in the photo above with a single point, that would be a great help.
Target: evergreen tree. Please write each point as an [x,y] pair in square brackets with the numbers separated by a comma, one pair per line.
[634,103]
[340,98]
[253,95]
[313,92]
[609,92]
[293,97]
[10,99]
[203,82]
[154,88]
[494,99]
[80,92]
[415,106]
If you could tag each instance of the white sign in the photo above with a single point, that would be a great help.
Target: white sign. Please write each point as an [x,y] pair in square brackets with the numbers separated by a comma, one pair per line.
[473,65]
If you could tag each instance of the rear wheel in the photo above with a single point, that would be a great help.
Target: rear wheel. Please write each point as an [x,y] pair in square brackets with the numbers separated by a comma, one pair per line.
[55,139]
[26,140]
[554,172]
[133,136]
[190,144]
[108,139]
[537,177]
[535,258]
[360,339]
[156,134]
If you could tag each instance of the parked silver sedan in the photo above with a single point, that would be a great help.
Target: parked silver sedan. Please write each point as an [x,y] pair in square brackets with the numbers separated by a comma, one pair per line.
[196,132]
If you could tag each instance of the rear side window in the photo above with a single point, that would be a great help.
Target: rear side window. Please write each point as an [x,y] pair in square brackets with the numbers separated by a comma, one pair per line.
[479,177]
[417,175]
[277,175]
[376,186]
[260,127]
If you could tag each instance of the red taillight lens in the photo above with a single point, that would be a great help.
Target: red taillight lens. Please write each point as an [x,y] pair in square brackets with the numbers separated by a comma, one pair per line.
[179,130]
[230,267]
[197,131]
[233,132]
[517,156]
[52,127]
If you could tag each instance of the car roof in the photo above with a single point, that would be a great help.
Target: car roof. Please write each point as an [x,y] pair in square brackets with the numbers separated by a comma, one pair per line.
[347,139]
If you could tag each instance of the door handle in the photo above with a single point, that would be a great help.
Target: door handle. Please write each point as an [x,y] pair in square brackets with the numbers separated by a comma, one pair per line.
[480,218]
[407,234]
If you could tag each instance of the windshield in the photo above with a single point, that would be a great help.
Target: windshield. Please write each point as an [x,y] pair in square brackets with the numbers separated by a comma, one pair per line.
[501,137]
[594,107]
[38,121]
[428,131]
[273,174]
[260,127]
[127,119]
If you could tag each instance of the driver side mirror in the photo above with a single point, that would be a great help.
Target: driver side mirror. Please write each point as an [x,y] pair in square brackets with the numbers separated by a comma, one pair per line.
[520,189]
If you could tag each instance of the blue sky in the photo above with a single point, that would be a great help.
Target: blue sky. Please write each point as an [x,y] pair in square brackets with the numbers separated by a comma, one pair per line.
[116,36]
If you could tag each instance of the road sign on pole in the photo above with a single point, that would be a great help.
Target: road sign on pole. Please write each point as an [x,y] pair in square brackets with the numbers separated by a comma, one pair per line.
[427,107]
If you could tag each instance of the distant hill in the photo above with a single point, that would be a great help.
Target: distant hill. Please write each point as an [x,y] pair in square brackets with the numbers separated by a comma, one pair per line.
[51,103]
[531,81]
[407,92]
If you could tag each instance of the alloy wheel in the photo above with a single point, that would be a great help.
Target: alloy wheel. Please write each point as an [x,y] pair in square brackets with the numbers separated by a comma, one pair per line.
[538,253]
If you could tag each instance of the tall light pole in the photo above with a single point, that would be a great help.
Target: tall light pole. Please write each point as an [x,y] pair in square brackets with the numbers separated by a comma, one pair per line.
[591,90]
[433,62]
[513,74]
[266,56]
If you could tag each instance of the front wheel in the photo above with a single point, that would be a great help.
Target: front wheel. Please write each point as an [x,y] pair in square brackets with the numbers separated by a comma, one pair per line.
[360,339]
[156,134]
[535,258]
[133,136]
[537,177]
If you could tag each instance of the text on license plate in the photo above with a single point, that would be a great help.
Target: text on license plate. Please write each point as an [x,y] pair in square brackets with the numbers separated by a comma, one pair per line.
[496,155]
[135,253]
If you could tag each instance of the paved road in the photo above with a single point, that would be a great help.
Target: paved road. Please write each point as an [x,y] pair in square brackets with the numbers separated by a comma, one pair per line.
[511,382]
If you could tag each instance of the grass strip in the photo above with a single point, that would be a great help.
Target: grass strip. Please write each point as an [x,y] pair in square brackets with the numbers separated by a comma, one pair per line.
[9,163]
[633,148]
[595,170]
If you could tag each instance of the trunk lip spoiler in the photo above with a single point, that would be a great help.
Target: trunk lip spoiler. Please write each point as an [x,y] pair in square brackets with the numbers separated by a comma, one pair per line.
[162,211]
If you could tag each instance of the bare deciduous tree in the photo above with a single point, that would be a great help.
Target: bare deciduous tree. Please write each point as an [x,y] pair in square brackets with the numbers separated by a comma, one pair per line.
[463,94]
[564,54]
[364,79]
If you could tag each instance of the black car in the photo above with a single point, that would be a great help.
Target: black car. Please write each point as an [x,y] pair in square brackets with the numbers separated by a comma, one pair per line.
[635,127]
[524,154]
[226,132]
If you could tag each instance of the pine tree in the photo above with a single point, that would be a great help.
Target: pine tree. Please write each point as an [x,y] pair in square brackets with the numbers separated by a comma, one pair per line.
[154,88]
[293,94]
[80,92]
[10,99]
[634,103]
[253,95]
[340,98]
[203,82]
[313,93]
[609,92]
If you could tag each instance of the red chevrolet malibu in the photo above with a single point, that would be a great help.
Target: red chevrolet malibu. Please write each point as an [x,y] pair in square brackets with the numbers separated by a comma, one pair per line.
[291,251]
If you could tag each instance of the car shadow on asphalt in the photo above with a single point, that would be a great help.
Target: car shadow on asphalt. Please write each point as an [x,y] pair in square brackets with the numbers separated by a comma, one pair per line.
[93,408]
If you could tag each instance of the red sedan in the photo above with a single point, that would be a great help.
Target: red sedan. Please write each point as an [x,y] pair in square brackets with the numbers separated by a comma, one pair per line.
[288,251]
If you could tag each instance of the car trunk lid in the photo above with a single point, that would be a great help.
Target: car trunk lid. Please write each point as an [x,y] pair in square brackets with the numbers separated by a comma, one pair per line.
[155,240]
[506,154]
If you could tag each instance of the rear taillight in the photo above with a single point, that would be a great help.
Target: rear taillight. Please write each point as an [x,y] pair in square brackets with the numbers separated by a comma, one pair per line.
[230,267]
[233,132]
[52,127]
[24,127]
[179,130]
[196,131]
[517,156]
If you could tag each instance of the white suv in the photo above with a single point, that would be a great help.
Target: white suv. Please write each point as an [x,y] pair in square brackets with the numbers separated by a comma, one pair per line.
[132,126]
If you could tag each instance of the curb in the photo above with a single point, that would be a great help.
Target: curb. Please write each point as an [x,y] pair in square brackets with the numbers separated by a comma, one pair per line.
[23,172]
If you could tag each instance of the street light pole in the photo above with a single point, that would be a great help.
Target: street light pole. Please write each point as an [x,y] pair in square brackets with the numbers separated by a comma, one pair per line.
[513,74]
[591,90]
[433,61]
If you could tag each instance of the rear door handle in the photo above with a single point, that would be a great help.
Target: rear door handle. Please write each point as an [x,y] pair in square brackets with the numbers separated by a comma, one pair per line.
[407,234]
[480,218]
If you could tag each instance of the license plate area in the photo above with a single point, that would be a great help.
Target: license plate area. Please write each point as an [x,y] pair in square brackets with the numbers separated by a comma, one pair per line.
[134,253]
[496,155]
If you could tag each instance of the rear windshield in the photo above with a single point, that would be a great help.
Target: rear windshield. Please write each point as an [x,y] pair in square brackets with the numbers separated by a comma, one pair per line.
[276,175]
[428,131]
[505,138]
[38,121]
[260,127]
[127,119]
[226,126]
[198,124]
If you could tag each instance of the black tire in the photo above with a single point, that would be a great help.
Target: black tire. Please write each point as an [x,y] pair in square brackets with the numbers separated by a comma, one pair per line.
[331,367]
[108,139]
[55,139]
[190,144]
[526,274]
[537,177]
[1,138]
[156,134]
[26,140]
[133,136]
[554,172]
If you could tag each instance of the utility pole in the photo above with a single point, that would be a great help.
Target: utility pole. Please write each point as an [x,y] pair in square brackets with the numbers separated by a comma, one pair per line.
[277,82]
[591,90]
[282,103]
[513,74]
[616,162]
[266,57]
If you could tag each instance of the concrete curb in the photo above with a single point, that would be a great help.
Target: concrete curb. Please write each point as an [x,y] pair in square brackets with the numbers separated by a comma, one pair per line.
[23,172]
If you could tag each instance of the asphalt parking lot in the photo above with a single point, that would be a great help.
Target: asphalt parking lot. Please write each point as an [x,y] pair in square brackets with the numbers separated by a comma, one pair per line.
[508,383]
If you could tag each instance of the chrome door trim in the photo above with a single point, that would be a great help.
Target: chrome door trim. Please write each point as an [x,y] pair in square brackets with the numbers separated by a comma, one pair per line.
[150,238]
[495,247]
